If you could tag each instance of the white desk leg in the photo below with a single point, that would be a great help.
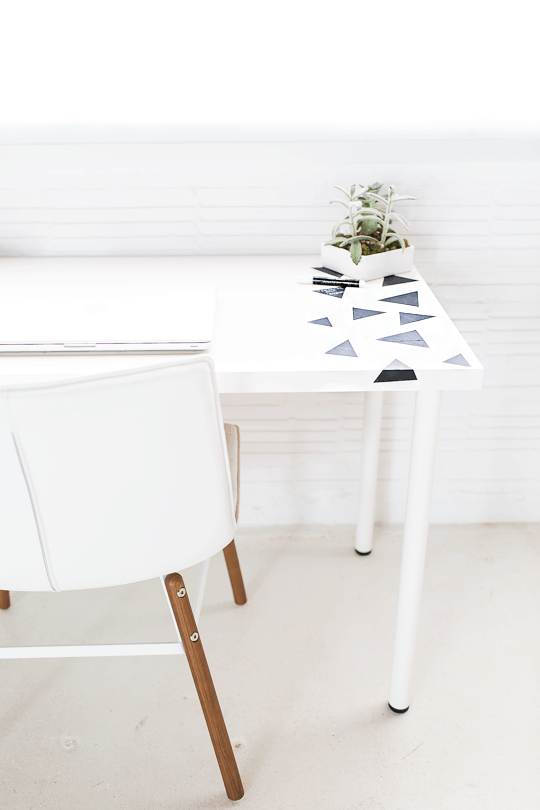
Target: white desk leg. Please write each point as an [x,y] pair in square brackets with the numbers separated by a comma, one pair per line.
[423,450]
[371,434]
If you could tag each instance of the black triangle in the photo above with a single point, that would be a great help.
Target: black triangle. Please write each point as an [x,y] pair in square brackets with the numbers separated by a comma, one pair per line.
[410,299]
[328,272]
[364,313]
[396,375]
[335,292]
[458,360]
[322,322]
[410,317]
[344,349]
[411,338]
[388,280]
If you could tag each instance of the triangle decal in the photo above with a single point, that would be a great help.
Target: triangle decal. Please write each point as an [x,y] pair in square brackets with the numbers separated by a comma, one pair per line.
[410,317]
[395,376]
[388,280]
[335,292]
[410,338]
[458,360]
[328,272]
[409,299]
[322,322]
[397,364]
[396,371]
[345,349]
[364,313]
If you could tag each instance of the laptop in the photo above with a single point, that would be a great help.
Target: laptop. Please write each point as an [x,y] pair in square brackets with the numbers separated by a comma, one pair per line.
[107,318]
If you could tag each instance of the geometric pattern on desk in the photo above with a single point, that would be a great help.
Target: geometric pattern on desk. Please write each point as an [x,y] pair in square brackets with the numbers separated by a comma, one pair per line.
[410,338]
[389,280]
[410,317]
[409,299]
[344,349]
[458,360]
[321,322]
[366,313]
[335,292]
[368,342]
[396,371]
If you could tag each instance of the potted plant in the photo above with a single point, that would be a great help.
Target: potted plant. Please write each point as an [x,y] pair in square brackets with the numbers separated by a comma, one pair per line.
[363,244]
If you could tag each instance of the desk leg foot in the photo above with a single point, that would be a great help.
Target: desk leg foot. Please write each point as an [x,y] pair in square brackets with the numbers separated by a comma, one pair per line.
[422,464]
[371,434]
[362,553]
[398,711]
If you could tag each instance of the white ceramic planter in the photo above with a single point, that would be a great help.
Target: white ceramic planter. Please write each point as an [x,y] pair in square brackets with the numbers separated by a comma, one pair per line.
[378,265]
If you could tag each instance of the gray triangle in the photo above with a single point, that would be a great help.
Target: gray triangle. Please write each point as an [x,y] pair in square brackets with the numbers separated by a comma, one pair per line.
[410,317]
[410,338]
[322,322]
[410,299]
[364,313]
[344,349]
[395,364]
[389,280]
[458,360]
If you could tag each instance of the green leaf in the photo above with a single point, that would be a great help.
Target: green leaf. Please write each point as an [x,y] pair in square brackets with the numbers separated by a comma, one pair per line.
[360,238]
[356,252]
[401,219]
[376,216]
[395,238]
[369,226]
[377,197]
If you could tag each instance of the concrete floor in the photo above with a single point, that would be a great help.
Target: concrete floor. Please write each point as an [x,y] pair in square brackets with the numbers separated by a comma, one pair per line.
[302,672]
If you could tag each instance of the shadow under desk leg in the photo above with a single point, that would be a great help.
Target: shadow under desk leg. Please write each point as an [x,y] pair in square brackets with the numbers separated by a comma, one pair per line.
[235,573]
[189,633]
[4,600]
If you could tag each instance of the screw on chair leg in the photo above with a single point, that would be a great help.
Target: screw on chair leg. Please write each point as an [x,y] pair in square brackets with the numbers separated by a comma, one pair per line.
[235,573]
[203,682]
[4,600]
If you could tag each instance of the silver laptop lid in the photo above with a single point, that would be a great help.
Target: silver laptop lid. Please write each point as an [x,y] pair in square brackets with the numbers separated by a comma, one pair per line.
[107,318]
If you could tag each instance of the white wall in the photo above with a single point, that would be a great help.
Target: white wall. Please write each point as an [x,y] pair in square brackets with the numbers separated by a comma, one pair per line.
[476,227]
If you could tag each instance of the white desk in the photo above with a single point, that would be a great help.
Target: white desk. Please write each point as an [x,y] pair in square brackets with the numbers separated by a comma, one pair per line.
[391,336]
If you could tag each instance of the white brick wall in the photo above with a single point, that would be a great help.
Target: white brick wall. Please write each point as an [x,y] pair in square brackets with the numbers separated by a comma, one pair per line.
[476,227]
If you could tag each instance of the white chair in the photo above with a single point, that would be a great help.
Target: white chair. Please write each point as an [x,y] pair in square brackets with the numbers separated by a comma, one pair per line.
[115,479]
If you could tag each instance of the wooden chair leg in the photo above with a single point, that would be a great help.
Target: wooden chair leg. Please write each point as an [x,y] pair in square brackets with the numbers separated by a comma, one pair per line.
[189,634]
[235,574]
[4,600]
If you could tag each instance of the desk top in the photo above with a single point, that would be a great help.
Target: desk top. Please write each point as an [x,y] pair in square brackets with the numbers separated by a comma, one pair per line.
[273,335]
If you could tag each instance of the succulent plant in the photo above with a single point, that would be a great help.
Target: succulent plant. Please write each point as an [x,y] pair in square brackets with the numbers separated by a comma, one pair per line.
[368,221]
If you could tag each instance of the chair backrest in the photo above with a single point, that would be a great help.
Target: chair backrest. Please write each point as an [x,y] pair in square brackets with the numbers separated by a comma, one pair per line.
[112,479]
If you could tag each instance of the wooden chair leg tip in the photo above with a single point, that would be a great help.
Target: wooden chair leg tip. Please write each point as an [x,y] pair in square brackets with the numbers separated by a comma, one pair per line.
[238,794]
